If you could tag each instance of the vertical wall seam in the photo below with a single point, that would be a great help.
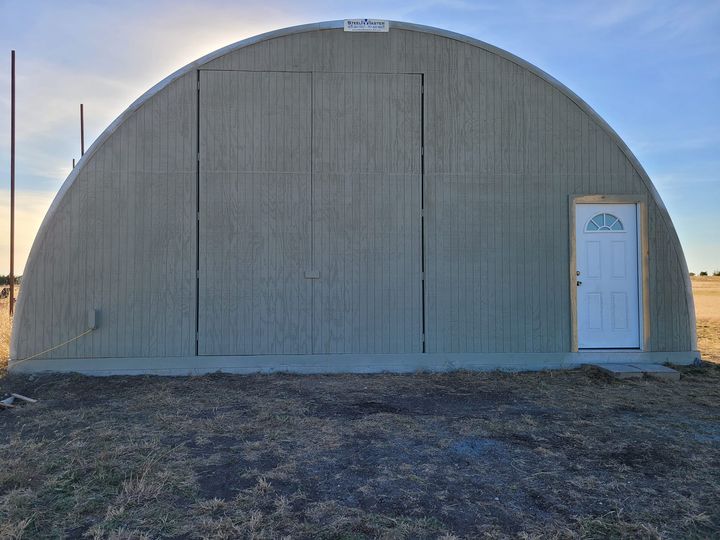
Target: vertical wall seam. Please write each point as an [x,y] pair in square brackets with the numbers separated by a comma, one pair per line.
[422,207]
[197,220]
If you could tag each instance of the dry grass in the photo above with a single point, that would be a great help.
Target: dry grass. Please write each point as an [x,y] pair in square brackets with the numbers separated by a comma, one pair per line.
[5,329]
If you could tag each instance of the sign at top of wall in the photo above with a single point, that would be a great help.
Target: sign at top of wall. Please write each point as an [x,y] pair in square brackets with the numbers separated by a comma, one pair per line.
[366,25]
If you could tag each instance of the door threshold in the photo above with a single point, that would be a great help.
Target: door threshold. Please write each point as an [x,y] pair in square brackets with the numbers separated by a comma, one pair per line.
[619,349]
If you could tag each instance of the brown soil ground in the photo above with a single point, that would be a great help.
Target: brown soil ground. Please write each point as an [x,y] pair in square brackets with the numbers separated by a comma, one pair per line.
[461,455]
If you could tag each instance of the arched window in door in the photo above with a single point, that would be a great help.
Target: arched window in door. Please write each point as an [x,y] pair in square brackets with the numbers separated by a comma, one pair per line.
[604,223]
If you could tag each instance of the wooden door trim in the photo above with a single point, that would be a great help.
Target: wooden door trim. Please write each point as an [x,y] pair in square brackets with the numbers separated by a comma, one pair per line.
[640,201]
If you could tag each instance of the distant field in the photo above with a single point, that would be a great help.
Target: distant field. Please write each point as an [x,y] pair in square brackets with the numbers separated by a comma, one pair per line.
[706,291]
[5,328]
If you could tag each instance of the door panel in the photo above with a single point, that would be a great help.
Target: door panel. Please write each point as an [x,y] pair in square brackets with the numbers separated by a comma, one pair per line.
[254,243]
[367,246]
[619,311]
[607,294]
[619,269]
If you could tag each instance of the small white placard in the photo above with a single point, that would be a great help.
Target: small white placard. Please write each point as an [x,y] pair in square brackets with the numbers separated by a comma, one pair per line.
[366,25]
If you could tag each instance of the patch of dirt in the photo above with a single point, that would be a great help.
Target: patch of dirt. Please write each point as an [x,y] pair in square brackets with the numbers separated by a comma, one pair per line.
[643,456]
[358,409]
[479,448]
[224,480]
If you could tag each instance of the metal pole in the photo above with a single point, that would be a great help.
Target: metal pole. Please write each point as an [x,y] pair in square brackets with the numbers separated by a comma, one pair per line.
[73,163]
[82,132]
[12,182]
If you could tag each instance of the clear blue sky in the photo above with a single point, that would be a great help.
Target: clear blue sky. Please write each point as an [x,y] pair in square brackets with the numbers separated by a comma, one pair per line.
[651,68]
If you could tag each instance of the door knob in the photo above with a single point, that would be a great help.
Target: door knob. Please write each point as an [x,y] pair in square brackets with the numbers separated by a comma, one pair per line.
[579,283]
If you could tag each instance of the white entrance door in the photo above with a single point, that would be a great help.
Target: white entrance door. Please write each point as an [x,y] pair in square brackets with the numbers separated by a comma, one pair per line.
[606,240]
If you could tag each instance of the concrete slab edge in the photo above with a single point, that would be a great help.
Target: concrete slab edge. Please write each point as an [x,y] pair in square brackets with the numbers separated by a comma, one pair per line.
[344,363]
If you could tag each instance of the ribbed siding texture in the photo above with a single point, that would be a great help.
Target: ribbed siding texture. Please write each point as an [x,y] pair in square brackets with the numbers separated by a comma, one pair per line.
[254,213]
[366,213]
[123,242]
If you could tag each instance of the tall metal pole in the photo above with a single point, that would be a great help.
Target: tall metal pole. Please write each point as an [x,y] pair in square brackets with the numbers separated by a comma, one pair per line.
[82,132]
[12,182]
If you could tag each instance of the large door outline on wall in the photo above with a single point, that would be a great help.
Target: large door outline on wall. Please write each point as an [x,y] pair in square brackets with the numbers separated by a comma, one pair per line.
[310,229]
[254,223]
[607,276]
[367,207]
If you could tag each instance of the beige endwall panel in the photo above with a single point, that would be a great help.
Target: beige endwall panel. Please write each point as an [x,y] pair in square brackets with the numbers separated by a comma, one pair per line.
[122,242]
[254,213]
[366,200]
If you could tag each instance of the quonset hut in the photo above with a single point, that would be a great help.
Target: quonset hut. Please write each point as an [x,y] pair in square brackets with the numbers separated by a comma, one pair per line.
[316,199]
